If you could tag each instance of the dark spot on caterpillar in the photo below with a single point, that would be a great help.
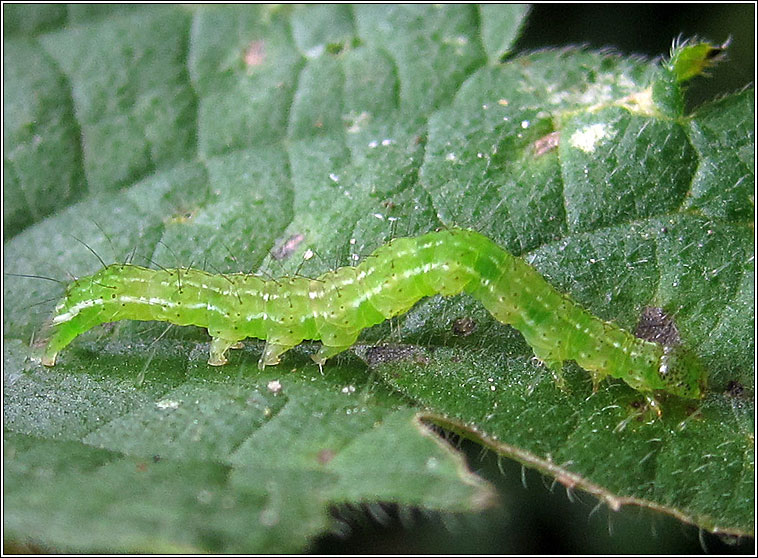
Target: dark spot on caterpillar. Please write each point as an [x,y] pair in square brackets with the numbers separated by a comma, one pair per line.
[656,326]
[463,327]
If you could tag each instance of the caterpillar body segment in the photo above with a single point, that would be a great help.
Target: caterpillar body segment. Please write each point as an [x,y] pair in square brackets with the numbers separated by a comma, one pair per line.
[335,307]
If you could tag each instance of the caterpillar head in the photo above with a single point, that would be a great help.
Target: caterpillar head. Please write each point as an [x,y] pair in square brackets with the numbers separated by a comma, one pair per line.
[682,372]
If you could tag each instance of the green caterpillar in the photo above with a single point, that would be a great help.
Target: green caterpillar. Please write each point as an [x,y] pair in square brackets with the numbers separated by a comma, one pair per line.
[335,307]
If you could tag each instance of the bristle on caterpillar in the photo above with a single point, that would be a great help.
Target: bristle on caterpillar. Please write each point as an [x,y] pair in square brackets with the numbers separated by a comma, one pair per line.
[335,307]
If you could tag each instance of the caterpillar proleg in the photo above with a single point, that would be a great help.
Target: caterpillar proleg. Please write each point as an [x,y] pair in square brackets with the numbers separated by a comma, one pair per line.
[335,307]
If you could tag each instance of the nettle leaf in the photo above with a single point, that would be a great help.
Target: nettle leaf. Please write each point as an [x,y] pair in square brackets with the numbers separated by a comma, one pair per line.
[238,138]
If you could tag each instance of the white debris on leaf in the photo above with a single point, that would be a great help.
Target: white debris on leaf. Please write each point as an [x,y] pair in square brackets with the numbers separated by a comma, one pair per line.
[357,122]
[588,137]
[167,404]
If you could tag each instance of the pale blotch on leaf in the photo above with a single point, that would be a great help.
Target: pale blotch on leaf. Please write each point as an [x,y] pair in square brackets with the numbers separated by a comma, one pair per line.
[546,143]
[255,53]
[287,248]
[587,138]
[167,404]
[325,456]
[357,122]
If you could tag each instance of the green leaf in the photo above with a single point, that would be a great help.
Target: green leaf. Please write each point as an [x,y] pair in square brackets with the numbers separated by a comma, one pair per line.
[689,60]
[218,136]
[500,28]
[42,163]
[192,460]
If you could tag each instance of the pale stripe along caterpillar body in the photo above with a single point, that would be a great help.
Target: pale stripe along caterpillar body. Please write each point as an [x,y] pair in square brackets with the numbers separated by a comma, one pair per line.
[335,307]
